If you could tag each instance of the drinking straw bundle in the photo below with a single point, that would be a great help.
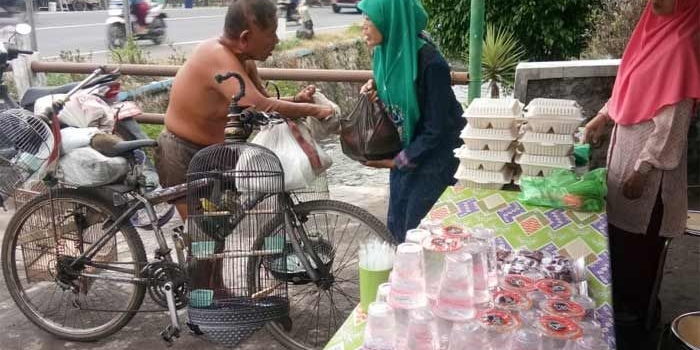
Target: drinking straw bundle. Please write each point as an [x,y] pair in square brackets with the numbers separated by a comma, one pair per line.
[376,255]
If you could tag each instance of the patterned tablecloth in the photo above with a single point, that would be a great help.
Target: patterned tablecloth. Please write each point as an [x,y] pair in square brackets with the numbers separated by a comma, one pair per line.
[517,225]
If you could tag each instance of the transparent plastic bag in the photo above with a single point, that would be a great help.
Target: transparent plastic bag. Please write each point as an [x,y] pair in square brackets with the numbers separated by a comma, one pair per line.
[86,167]
[564,190]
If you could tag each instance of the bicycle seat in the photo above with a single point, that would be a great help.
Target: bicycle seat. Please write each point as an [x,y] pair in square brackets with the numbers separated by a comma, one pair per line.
[35,93]
[122,148]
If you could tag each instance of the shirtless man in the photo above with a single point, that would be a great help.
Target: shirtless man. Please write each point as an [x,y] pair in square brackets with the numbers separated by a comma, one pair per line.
[196,115]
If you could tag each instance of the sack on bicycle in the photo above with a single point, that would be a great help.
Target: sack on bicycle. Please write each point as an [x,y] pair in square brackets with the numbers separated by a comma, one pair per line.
[302,159]
[368,133]
[86,167]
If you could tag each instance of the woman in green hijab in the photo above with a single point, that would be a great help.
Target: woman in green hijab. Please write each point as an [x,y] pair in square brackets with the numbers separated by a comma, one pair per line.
[413,80]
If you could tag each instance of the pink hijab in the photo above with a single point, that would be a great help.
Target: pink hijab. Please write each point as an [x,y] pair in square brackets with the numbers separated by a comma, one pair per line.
[661,64]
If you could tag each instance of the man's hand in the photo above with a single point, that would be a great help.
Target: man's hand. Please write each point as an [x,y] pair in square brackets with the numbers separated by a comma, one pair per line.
[306,95]
[384,163]
[595,128]
[634,185]
[324,112]
[371,89]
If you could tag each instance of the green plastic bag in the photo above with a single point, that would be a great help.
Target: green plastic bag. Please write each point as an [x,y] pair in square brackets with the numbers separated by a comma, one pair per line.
[564,190]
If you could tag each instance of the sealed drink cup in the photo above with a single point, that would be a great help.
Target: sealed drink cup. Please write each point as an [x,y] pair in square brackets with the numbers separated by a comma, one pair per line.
[511,301]
[563,308]
[518,284]
[557,331]
[555,289]
[498,321]
[456,232]
[434,226]
[417,235]
[435,250]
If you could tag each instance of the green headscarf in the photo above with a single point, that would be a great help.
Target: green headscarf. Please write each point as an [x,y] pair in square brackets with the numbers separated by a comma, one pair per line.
[395,61]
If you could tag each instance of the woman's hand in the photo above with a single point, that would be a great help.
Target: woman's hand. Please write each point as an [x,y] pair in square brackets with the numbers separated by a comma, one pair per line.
[595,129]
[633,188]
[371,89]
[384,163]
[306,95]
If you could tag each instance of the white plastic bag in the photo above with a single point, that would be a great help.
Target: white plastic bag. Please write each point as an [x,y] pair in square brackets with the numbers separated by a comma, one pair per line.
[81,111]
[321,129]
[72,138]
[278,138]
[86,167]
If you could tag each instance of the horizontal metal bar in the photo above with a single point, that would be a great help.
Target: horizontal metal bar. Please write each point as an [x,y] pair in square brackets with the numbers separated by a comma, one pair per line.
[315,75]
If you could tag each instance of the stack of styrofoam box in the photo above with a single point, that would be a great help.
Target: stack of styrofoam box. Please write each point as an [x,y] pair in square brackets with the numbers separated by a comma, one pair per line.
[488,143]
[548,141]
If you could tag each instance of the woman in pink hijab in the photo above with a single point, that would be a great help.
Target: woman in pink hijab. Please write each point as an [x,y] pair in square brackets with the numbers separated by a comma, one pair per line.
[654,98]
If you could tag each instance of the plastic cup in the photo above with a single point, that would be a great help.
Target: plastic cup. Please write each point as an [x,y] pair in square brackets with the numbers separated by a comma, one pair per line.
[525,339]
[435,250]
[383,292]
[456,232]
[455,298]
[511,301]
[555,289]
[203,249]
[369,283]
[417,235]
[518,284]
[587,303]
[444,329]
[498,321]
[201,298]
[434,226]
[557,331]
[407,279]
[421,333]
[488,239]
[563,308]
[479,255]
[469,334]
[380,332]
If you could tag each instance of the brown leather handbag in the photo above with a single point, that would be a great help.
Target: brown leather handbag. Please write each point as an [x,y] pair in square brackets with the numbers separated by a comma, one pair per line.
[368,133]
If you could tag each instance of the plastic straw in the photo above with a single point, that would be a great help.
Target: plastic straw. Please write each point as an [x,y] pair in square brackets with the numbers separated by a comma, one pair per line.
[376,255]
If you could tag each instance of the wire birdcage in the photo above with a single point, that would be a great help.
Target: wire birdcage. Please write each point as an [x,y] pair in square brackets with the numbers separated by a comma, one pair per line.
[234,189]
[317,190]
[25,145]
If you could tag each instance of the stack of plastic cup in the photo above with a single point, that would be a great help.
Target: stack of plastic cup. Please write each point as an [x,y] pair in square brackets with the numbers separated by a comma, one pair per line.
[417,235]
[455,298]
[434,226]
[488,238]
[421,333]
[435,249]
[444,328]
[525,339]
[380,331]
[479,255]
[456,232]
[469,335]
[408,278]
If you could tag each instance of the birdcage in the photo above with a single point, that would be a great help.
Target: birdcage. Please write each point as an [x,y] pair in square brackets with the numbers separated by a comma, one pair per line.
[234,190]
[25,145]
[317,190]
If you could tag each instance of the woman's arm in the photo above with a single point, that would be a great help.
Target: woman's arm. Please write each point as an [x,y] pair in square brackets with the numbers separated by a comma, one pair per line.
[665,146]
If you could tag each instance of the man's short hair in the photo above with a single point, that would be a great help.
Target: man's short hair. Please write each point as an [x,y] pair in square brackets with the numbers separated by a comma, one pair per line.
[241,13]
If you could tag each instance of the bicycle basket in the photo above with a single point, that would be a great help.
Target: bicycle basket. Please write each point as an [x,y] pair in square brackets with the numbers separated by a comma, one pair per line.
[25,145]
[233,191]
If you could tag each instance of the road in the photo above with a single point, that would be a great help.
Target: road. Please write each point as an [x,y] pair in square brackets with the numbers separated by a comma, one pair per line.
[85,31]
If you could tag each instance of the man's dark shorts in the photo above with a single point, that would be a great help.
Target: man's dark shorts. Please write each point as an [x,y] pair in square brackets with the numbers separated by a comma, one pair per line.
[173,158]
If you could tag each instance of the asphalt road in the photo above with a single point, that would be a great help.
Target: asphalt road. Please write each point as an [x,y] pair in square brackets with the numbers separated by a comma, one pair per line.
[86,31]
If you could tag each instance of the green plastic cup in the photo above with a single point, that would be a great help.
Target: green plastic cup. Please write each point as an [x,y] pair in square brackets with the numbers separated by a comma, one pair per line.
[369,282]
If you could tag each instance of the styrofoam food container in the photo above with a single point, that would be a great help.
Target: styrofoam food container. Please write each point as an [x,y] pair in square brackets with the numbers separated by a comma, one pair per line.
[557,119]
[484,160]
[482,179]
[553,102]
[547,144]
[533,165]
[486,113]
[488,139]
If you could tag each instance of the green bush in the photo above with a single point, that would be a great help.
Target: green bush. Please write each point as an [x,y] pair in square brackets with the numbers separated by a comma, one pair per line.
[614,24]
[548,29]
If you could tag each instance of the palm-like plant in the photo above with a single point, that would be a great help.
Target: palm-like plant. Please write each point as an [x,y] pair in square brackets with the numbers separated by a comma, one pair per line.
[501,54]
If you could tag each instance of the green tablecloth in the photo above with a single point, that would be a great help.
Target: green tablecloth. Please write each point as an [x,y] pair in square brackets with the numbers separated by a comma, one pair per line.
[517,225]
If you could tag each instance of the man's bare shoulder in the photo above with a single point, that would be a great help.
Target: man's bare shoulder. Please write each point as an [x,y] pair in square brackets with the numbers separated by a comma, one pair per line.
[213,54]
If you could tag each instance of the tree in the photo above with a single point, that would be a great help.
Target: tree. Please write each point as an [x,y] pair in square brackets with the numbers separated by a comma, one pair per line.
[500,57]
[548,29]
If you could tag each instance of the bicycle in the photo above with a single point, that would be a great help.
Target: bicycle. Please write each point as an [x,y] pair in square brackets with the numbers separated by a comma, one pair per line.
[77,268]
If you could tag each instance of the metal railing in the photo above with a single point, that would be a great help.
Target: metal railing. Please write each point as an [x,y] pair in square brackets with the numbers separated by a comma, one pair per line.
[315,75]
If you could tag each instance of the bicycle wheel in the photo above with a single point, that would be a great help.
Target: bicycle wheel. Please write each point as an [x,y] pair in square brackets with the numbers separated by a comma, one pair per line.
[316,312]
[35,260]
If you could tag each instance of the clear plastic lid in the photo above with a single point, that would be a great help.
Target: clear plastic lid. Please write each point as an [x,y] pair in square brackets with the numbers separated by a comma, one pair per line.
[445,243]
[563,308]
[555,289]
[518,284]
[455,232]
[558,327]
[512,301]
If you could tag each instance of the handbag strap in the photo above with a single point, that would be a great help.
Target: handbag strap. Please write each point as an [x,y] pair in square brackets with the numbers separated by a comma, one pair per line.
[307,147]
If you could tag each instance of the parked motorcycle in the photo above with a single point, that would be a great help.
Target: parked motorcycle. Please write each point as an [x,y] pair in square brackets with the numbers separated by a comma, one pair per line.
[116,25]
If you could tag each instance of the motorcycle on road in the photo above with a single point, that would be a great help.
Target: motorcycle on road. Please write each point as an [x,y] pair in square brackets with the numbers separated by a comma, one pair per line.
[116,25]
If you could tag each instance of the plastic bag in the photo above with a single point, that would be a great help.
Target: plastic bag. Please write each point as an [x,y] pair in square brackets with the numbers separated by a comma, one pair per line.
[321,129]
[86,167]
[81,111]
[564,190]
[368,133]
[279,139]
[72,138]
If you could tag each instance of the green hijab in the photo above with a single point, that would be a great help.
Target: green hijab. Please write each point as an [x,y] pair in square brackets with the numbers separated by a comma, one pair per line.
[395,61]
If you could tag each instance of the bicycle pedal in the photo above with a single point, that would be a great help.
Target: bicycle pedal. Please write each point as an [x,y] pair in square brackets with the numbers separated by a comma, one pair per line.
[194,328]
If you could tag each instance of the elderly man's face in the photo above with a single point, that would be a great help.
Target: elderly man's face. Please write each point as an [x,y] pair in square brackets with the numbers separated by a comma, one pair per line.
[663,7]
